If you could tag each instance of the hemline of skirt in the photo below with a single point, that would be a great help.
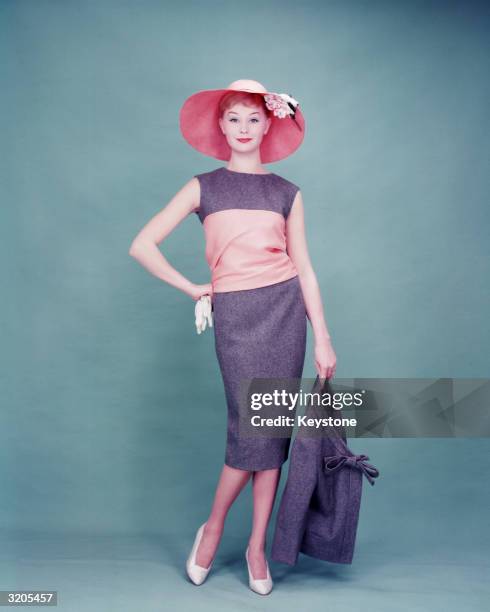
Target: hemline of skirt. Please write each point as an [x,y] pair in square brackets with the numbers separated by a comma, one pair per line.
[254,469]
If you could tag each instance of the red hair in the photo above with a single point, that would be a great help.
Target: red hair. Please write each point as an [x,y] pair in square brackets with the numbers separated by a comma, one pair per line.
[249,99]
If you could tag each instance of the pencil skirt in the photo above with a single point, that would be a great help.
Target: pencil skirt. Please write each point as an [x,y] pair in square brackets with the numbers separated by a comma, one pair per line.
[259,333]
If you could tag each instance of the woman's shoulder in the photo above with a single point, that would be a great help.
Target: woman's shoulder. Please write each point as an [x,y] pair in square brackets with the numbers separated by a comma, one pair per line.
[287,183]
[289,189]
[209,174]
[209,184]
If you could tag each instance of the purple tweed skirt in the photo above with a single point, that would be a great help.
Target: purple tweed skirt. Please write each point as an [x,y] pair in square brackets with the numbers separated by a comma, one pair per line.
[259,333]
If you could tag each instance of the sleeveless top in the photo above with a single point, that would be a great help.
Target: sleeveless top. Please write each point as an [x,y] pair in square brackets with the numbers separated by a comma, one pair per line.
[244,220]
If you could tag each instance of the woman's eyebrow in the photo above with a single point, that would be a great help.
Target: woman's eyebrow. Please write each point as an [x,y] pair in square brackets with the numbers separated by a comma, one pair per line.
[252,113]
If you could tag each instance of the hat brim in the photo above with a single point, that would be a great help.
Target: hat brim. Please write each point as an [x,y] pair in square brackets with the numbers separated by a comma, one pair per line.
[200,128]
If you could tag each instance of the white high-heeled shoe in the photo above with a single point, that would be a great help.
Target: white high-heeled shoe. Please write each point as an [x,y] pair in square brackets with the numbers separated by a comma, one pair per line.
[263,586]
[195,572]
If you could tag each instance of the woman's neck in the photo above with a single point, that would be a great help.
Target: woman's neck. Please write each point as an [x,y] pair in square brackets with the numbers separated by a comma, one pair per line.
[248,165]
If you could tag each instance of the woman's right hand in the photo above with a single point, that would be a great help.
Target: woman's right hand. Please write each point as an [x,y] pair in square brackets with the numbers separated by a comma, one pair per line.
[197,291]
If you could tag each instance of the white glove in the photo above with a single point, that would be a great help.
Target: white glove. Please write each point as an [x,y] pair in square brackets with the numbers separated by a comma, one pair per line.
[203,313]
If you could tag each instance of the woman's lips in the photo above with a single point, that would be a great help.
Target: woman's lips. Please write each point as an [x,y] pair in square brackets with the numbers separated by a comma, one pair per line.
[244,139]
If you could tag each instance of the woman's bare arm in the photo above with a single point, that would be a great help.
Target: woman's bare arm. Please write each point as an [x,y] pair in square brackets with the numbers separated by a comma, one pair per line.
[298,252]
[144,247]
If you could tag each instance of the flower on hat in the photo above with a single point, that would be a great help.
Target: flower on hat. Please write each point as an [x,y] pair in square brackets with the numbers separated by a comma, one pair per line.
[281,104]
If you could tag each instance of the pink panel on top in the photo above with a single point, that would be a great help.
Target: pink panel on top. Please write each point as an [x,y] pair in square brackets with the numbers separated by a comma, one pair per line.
[246,249]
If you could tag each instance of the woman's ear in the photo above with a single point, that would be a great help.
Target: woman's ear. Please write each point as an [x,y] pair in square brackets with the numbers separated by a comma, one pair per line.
[220,121]
[268,121]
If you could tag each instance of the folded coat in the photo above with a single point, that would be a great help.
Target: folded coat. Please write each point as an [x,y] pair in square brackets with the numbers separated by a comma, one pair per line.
[319,508]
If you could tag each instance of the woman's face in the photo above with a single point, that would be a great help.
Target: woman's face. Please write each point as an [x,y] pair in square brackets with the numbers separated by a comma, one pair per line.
[244,127]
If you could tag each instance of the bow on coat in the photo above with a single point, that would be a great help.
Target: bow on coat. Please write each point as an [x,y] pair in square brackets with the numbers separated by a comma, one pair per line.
[335,462]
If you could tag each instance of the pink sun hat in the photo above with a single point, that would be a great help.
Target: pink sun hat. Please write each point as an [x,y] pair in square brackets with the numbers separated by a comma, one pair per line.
[200,128]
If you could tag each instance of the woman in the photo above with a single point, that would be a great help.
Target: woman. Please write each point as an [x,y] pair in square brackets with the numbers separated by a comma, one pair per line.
[263,286]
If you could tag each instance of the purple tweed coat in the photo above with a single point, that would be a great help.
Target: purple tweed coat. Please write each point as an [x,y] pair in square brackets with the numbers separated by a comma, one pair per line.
[319,508]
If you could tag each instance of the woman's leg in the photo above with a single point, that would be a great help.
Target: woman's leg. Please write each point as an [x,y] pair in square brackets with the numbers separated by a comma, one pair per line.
[230,484]
[264,492]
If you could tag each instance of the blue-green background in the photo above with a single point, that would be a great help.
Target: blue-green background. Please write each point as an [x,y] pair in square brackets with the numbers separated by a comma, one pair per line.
[113,411]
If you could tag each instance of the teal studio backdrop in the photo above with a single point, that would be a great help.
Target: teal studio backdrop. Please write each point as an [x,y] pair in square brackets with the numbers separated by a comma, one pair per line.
[113,411]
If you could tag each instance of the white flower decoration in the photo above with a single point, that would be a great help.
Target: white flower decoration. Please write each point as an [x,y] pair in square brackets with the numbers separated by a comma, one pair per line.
[281,104]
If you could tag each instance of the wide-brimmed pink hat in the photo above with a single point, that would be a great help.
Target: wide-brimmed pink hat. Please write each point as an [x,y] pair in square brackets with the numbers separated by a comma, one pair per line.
[199,122]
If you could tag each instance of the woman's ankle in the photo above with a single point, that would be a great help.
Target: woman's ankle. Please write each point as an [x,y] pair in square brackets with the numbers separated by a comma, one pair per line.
[214,526]
[256,548]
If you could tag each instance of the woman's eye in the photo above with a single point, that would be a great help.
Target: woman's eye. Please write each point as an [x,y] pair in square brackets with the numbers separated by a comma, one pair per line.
[234,120]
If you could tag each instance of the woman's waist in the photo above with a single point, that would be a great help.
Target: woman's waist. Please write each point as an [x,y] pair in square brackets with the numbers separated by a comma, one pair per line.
[230,278]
